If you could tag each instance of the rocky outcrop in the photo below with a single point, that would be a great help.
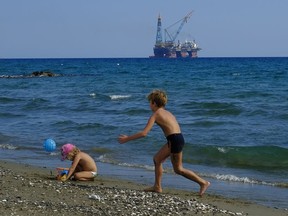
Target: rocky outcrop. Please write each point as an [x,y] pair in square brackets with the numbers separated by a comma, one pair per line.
[43,74]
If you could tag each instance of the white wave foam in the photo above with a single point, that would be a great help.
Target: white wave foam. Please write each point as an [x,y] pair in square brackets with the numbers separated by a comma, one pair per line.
[92,95]
[104,159]
[222,150]
[7,146]
[151,168]
[246,180]
[234,178]
[56,153]
[117,97]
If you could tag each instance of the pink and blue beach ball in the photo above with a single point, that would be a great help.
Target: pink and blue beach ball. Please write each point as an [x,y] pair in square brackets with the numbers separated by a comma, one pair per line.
[49,145]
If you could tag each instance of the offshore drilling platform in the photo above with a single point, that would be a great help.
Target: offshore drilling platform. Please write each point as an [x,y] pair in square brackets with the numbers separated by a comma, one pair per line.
[169,48]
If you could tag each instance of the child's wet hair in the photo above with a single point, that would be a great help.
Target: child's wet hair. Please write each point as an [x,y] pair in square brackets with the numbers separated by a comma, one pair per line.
[159,97]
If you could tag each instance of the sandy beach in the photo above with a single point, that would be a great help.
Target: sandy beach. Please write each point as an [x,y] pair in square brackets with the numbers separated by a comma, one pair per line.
[29,190]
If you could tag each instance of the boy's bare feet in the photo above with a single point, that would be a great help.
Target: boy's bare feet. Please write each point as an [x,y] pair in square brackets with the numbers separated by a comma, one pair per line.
[203,188]
[153,189]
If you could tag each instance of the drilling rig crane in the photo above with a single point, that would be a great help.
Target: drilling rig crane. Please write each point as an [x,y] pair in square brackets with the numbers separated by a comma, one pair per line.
[172,37]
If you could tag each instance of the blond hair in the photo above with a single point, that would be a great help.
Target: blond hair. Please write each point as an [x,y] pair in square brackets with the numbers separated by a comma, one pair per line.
[73,153]
[159,97]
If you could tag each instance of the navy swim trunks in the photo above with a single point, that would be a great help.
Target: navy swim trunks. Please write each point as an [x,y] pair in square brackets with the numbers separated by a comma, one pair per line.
[176,142]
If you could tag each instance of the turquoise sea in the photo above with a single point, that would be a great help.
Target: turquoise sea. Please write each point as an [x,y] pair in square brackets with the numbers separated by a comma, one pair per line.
[233,113]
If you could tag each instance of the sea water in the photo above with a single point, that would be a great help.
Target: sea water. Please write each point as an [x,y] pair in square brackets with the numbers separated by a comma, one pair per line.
[233,114]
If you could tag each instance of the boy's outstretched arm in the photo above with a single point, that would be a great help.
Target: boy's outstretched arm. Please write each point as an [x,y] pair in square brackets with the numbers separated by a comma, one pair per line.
[124,138]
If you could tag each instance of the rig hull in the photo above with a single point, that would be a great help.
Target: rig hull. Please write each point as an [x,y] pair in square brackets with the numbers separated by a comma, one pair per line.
[166,52]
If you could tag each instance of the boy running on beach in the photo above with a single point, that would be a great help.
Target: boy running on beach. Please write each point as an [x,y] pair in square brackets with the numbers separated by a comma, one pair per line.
[83,166]
[172,148]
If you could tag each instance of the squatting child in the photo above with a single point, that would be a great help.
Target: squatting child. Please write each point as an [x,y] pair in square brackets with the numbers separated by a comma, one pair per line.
[83,167]
[175,142]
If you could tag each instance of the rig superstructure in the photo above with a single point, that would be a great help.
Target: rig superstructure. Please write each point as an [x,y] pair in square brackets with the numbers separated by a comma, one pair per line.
[169,48]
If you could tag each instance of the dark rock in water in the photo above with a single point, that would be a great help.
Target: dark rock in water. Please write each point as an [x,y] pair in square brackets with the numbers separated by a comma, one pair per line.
[44,74]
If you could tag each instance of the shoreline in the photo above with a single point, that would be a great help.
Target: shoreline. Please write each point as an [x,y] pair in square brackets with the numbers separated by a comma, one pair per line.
[31,190]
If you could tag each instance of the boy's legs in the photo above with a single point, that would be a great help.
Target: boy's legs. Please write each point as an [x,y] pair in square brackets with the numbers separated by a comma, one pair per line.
[158,159]
[176,159]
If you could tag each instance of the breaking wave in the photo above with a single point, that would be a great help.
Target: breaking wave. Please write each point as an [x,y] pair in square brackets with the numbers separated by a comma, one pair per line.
[118,97]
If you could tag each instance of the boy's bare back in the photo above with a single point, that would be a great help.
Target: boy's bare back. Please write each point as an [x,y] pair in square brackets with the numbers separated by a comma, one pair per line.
[167,121]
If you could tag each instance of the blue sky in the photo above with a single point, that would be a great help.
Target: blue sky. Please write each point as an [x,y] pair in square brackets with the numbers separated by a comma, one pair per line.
[127,28]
